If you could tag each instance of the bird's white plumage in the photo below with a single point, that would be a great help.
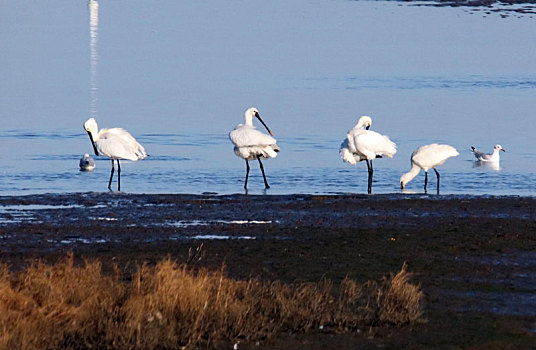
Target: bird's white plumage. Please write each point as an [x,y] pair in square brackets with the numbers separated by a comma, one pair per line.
[115,143]
[349,153]
[427,157]
[430,156]
[361,144]
[250,142]
[488,157]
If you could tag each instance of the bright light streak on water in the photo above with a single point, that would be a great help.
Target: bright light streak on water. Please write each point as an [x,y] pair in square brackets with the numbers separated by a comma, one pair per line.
[179,75]
[93,6]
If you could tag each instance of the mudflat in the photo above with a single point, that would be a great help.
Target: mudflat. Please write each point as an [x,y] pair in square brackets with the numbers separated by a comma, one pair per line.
[473,256]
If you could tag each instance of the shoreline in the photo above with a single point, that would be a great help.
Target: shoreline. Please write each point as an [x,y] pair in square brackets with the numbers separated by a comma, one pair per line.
[54,196]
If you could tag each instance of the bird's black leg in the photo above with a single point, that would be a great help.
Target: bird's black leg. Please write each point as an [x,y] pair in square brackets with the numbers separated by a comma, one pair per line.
[247,174]
[118,176]
[437,173]
[263,176]
[111,176]
[370,172]
[425,181]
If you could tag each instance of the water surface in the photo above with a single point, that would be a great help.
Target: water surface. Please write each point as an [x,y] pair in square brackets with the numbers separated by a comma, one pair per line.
[179,75]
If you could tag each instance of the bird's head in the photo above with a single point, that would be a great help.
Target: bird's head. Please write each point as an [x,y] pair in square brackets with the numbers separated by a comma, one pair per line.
[91,128]
[499,147]
[365,121]
[253,112]
[404,179]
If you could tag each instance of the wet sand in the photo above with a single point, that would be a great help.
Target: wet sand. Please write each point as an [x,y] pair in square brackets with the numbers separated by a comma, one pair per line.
[475,257]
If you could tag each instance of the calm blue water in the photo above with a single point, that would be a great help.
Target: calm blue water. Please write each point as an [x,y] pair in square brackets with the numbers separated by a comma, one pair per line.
[179,75]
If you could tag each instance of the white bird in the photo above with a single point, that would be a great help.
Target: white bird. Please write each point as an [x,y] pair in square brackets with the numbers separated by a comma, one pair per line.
[364,144]
[250,143]
[86,163]
[488,157]
[427,157]
[115,143]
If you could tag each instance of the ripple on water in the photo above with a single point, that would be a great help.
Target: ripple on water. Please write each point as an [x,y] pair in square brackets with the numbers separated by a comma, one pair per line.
[189,223]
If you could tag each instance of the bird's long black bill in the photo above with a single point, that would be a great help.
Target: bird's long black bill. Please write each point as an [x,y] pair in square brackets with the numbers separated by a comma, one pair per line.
[93,144]
[259,117]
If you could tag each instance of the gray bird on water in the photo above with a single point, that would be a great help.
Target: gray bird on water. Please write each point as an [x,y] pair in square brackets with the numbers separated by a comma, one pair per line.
[87,163]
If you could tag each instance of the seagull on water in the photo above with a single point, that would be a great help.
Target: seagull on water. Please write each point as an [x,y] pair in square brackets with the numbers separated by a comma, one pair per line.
[364,144]
[250,143]
[86,163]
[488,157]
[427,157]
[114,143]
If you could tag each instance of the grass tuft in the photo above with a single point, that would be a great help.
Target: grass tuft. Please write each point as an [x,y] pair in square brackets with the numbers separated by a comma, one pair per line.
[399,301]
[171,306]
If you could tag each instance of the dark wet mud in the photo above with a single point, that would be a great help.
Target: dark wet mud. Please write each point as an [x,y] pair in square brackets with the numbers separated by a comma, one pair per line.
[475,257]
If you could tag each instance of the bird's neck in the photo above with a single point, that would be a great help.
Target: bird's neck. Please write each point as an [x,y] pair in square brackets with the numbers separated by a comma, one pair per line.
[249,119]
[495,156]
[415,169]
[360,125]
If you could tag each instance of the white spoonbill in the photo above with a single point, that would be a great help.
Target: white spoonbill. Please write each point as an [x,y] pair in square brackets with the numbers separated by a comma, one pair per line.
[426,157]
[488,157]
[250,143]
[86,163]
[364,144]
[115,143]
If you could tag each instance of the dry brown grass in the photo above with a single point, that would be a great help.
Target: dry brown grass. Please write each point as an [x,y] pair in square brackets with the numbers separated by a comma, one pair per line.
[395,301]
[170,306]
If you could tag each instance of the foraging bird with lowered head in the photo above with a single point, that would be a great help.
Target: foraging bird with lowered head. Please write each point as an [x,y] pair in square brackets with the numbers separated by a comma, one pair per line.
[364,144]
[116,144]
[250,143]
[427,157]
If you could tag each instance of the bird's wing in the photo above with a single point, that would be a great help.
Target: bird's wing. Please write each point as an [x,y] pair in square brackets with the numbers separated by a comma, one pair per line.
[485,156]
[118,140]
[344,144]
[123,134]
[352,137]
[371,142]
[449,151]
[480,155]
[433,155]
[347,155]
[244,136]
